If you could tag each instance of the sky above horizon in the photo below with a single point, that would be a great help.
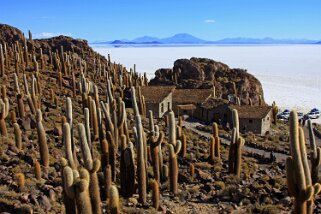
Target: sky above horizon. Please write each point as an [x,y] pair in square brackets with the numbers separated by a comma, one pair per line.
[105,20]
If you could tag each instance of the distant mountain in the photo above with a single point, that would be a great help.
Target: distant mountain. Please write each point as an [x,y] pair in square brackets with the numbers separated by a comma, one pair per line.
[184,38]
[266,40]
[145,39]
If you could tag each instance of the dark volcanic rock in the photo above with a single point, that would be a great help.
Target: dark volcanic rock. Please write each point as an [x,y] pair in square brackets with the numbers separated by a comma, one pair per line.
[202,72]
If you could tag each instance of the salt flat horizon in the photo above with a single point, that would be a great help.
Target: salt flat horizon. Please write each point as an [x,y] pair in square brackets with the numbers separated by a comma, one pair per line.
[290,74]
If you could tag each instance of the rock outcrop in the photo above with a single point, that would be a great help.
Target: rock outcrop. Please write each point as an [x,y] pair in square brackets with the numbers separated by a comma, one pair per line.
[203,73]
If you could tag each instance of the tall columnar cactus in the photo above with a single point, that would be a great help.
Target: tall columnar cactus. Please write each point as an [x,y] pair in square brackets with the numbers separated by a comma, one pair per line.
[68,146]
[108,182]
[275,111]
[315,155]
[172,129]
[17,136]
[2,67]
[113,205]
[217,143]
[42,140]
[212,149]
[155,193]
[237,142]
[155,139]
[92,166]
[37,170]
[112,154]
[297,170]
[173,166]
[94,119]
[76,186]
[127,170]
[87,126]
[141,165]
[3,115]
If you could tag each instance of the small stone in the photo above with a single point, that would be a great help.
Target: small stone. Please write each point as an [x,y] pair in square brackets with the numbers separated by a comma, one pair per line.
[45,203]
[133,201]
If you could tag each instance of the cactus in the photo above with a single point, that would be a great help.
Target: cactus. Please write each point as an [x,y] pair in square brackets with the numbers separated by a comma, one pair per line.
[37,170]
[235,152]
[17,136]
[298,176]
[112,154]
[2,62]
[20,179]
[76,187]
[212,149]
[68,146]
[141,165]
[217,143]
[155,193]
[92,166]
[108,175]
[260,100]
[172,129]
[42,140]
[315,155]
[3,115]
[275,111]
[127,170]
[113,207]
[104,154]
[155,139]
[192,171]
[94,119]
[87,127]
[173,167]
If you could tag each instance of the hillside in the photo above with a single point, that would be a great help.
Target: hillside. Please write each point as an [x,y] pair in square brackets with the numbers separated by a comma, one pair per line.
[70,144]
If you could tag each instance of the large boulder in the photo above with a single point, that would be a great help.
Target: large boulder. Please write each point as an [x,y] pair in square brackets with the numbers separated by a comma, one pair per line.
[203,73]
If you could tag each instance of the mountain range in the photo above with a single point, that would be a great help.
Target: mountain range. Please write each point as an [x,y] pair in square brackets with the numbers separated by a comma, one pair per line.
[187,39]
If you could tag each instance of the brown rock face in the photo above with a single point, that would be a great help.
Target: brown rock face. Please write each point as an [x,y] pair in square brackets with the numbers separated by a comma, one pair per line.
[10,34]
[202,73]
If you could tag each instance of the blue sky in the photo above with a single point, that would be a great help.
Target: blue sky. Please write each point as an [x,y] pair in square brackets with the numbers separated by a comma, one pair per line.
[207,19]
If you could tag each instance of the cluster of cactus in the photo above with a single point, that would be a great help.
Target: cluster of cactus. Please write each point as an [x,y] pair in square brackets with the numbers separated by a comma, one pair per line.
[174,147]
[236,144]
[298,175]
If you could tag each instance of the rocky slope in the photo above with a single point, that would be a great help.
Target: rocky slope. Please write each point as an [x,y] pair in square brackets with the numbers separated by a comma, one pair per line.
[203,73]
